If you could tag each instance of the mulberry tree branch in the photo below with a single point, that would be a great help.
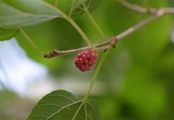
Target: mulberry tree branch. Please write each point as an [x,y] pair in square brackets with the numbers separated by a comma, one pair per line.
[106,45]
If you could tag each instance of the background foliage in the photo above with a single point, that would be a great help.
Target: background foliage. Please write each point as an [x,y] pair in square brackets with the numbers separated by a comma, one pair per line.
[137,75]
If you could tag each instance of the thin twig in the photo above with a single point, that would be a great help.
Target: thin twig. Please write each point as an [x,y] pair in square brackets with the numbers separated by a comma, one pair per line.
[56,53]
[140,9]
[81,32]
[74,24]
[135,7]
[106,45]
[169,10]
[137,26]
[93,21]
[92,81]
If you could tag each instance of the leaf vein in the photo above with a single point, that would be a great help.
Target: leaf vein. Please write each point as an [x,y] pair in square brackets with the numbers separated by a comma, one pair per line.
[58,111]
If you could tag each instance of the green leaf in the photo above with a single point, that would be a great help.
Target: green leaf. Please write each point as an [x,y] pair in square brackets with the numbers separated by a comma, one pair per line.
[6,34]
[62,105]
[17,13]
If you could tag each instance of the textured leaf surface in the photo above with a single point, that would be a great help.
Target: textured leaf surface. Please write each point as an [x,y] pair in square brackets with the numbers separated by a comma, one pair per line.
[6,34]
[62,105]
[17,13]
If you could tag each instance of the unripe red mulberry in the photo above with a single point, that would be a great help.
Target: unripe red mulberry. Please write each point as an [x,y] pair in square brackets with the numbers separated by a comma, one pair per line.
[86,59]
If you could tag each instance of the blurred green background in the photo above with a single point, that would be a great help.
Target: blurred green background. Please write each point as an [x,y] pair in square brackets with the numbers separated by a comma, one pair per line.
[136,81]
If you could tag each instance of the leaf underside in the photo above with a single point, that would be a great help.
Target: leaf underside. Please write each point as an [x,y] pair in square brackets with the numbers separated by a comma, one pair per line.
[18,13]
[62,105]
[6,34]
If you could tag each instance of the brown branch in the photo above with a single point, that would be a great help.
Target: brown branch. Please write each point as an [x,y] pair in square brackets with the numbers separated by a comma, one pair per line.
[132,6]
[169,10]
[54,53]
[140,9]
[139,25]
[106,45]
